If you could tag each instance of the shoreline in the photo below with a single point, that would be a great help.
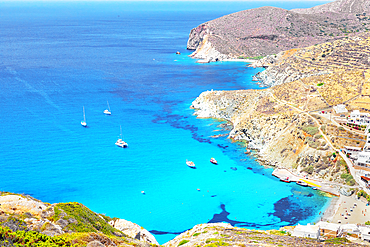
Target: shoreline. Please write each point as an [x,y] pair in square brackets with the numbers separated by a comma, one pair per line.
[207,109]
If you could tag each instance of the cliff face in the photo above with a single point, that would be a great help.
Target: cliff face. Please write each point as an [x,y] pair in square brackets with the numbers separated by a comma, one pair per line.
[268,30]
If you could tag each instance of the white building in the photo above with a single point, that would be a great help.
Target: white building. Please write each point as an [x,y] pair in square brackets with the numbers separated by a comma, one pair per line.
[308,231]
[363,159]
[340,108]
[349,228]
[352,151]
[330,230]
[359,118]
[365,232]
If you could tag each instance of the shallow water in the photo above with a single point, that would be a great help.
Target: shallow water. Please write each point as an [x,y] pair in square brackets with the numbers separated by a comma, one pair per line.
[57,58]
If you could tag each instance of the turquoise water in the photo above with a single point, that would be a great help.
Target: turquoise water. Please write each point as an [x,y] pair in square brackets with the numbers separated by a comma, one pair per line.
[57,57]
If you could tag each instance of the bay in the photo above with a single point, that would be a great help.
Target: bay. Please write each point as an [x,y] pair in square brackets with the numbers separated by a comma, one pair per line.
[56,57]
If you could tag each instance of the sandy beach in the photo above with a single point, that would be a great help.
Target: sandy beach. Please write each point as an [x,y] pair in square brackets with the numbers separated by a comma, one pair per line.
[348,210]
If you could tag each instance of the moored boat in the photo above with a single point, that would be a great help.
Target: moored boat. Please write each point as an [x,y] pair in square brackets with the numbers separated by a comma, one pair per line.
[190,164]
[286,180]
[120,142]
[213,161]
[107,111]
[301,183]
[83,122]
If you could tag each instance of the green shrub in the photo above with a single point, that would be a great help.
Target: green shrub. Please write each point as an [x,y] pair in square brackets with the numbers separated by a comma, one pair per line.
[320,84]
[87,220]
[31,238]
[184,241]
[337,241]
[309,169]
[310,130]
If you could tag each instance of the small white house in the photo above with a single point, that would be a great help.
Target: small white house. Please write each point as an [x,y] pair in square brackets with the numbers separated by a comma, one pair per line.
[340,108]
[365,232]
[359,118]
[363,159]
[308,231]
[330,230]
[349,228]
[352,151]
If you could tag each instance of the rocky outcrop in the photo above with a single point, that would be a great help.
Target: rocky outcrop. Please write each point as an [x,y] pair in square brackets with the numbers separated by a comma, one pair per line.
[269,30]
[133,230]
[24,213]
[15,204]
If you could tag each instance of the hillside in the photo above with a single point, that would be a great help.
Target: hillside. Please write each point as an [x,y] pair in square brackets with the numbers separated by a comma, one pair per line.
[26,221]
[269,30]
[222,234]
[283,123]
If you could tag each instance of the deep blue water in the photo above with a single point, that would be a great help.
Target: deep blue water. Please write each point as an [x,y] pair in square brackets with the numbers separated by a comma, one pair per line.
[57,57]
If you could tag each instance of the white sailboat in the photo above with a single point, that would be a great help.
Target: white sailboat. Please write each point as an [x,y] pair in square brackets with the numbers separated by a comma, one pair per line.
[107,111]
[83,123]
[120,143]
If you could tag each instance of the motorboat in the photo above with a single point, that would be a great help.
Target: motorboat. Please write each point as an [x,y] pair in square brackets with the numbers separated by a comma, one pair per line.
[190,164]
[301,183]
[286,180]
[213,161]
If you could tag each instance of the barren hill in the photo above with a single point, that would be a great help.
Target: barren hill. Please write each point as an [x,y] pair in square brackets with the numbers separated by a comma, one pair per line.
[269,30]
[340,6]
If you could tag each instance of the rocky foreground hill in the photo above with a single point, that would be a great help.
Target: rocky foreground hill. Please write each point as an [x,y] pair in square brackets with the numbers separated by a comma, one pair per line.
[26,221]
[269,30]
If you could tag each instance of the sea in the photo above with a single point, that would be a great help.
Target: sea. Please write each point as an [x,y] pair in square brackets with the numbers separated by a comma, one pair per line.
[57,58]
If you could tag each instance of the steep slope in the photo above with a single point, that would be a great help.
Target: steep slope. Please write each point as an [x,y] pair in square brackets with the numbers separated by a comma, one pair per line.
[269,30]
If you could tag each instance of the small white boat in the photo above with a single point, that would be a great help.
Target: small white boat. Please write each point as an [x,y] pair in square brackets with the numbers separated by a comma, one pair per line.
[213,161]
[190,164]
[302,183]
[107,111]
[120,142]
[143,192]
[83,122]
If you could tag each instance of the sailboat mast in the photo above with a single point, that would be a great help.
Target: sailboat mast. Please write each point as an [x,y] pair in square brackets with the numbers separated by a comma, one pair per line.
[84,113]
[108,105]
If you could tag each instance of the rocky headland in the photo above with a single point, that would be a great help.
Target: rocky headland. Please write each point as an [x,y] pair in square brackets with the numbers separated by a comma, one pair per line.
[268,30]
